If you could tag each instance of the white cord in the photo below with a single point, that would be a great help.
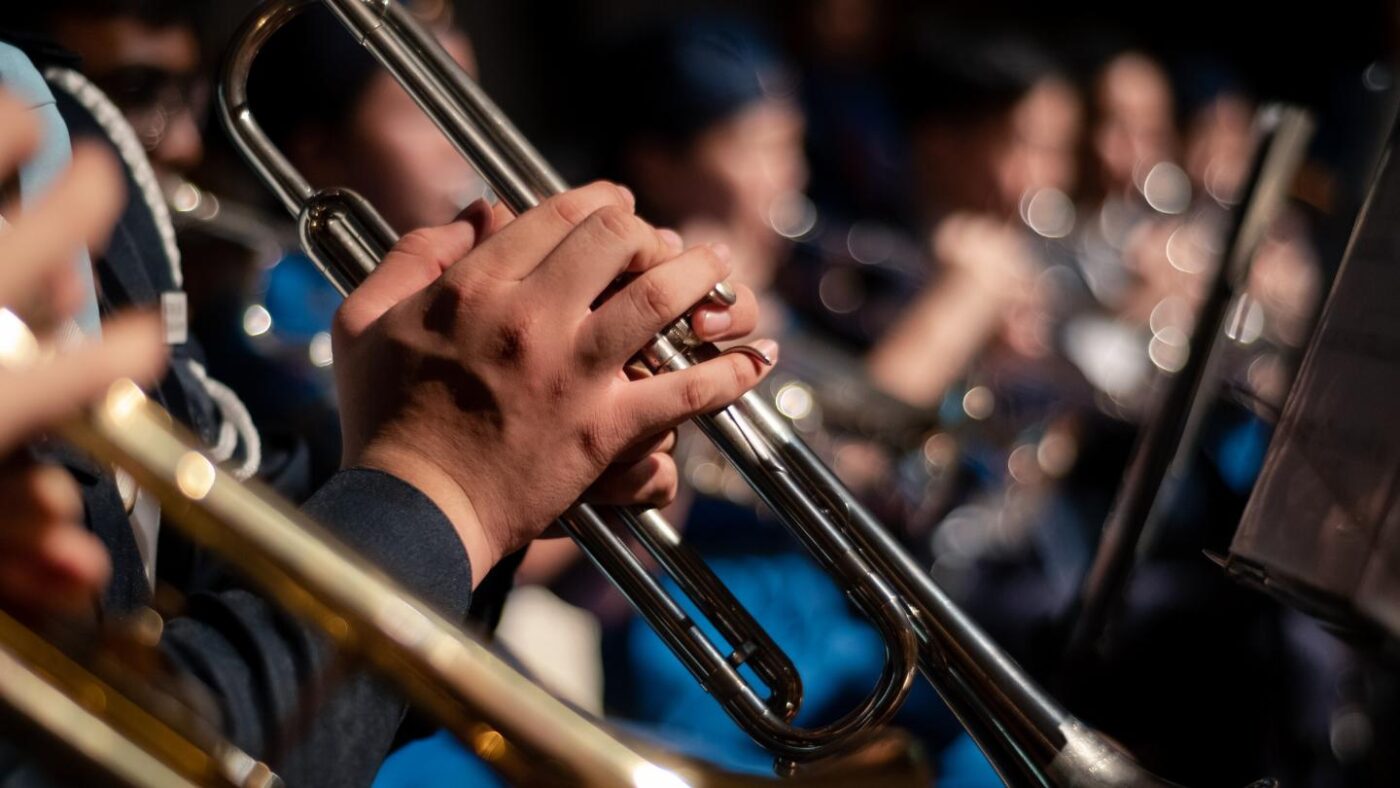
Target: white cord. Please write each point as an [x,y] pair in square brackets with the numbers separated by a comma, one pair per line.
[236,422]
[133,153]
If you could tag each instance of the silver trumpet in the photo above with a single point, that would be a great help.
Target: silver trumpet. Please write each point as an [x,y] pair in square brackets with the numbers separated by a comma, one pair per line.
[347,238]
[514,726]
[1029,737]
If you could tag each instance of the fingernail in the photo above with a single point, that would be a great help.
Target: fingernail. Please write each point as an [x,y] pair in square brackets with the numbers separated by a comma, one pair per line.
[711,323]
[767,347]
[671,238]
[722,251]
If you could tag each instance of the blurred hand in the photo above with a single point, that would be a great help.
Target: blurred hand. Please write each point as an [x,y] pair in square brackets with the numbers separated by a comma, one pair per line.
[987,272]
[48,561]
[986,251]
[1170,259]
[995,265]
[471,365]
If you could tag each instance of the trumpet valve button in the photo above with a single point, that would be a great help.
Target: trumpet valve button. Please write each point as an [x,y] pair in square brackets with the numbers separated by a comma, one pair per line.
[723,294]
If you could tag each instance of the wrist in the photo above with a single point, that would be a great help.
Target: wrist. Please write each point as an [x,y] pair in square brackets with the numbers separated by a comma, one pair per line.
[978,284]
[445,492]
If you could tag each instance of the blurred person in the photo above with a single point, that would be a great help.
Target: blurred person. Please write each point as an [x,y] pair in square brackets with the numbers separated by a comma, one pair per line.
[49,562]
[1134,182]
[1273,316]
[145,55]
[995,130]
[1147,247]
[368,136]
[1219,144]
[714,145]
[342,120]
[1135,126]
[990,121]
[1170,221]
[741,178]
[416,454]
[1286,279]
[1137,191]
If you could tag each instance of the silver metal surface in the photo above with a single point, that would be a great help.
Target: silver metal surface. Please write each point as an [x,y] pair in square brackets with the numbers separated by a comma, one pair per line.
[1028,737]
[346,238]
[124,733]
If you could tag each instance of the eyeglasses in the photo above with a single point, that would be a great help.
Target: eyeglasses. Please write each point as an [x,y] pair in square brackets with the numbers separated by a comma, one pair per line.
[152,98]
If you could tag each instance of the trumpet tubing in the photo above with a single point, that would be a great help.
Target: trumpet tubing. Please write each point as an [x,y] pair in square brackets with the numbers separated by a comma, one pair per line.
[1026,734]
[516,727]
[347,238]
[111,736]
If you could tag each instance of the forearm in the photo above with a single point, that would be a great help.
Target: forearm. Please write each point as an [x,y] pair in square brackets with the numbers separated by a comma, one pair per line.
[935,340]
[258,662]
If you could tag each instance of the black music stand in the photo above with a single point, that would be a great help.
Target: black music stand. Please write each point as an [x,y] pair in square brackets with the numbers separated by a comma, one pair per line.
[1322,528]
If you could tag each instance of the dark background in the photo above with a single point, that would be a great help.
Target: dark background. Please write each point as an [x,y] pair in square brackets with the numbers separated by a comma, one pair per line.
[536,54]
[1287,51]
[540,60]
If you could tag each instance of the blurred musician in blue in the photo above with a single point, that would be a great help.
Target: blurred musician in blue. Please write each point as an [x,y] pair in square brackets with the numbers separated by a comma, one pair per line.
[417,161]
[1146,243]
[718,152]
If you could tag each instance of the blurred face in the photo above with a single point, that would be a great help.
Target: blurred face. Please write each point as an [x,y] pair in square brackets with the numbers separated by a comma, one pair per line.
[152,74]
[739,169]
[395,156]
[1136,125]
[1042,152]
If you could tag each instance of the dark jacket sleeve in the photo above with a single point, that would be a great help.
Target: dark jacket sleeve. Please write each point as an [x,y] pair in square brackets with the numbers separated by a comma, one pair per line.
[260,664]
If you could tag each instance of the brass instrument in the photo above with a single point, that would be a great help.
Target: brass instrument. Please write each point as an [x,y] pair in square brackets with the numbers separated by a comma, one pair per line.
[103,732]
[1027,735]
[516,727]
[347,238]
